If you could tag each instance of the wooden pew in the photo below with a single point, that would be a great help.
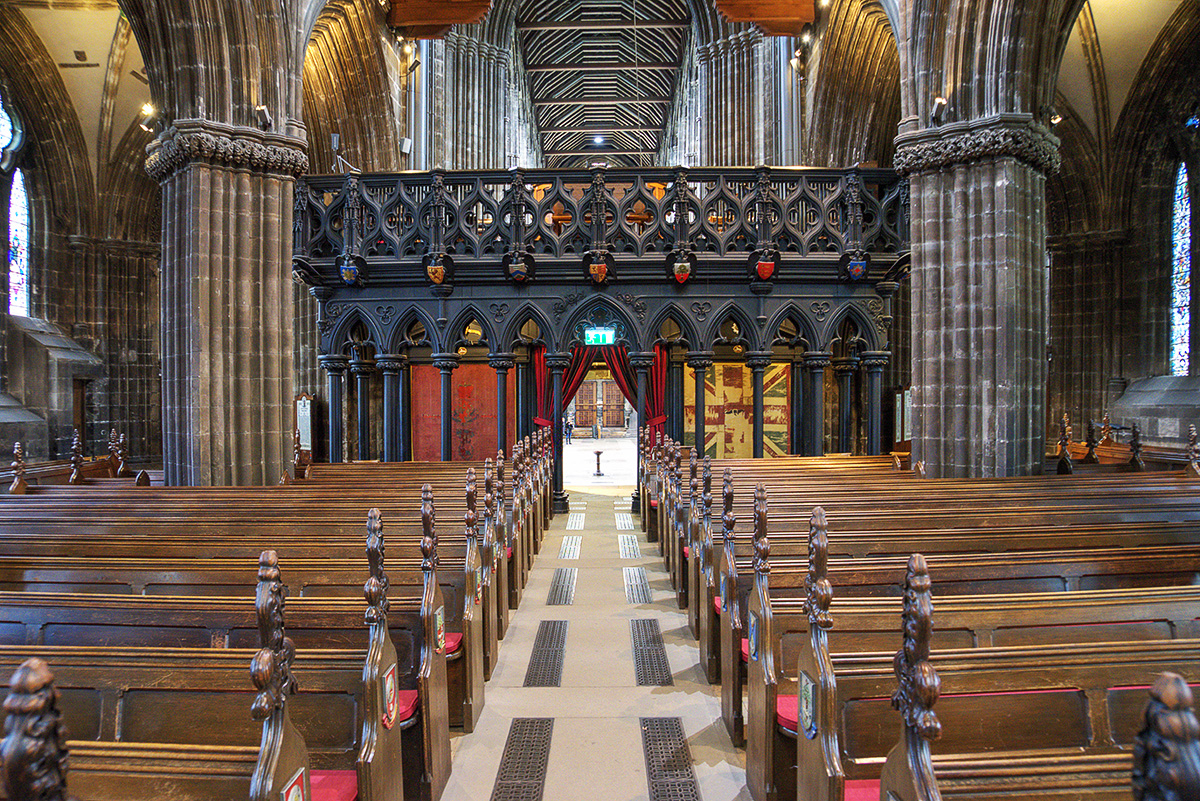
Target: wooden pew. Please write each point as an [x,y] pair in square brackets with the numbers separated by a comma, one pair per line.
[784,626]
[1074,724]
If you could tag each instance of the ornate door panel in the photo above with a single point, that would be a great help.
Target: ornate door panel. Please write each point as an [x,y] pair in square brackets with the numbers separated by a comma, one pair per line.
[614,405]
[585,404]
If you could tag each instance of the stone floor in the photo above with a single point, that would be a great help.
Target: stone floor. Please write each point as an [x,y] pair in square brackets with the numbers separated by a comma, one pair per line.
[596,749]
[618,462]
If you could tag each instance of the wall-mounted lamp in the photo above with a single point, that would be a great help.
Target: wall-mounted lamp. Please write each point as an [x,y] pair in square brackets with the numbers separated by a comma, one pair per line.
[149,120]
[939,108]
[408,48]
[264,117]
[806,35]
[1055,118]
[413,66]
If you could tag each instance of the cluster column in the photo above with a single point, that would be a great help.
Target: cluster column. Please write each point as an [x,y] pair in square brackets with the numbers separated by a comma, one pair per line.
[700,362]
[845,368]
[796,383]
[815,363]
[758,362]
[394,423]
[227,300]
[641,363]
[445,363]
[335,366]
[556,363]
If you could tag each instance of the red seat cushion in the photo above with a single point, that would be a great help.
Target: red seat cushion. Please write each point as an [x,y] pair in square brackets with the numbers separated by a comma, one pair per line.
[745,650]
[687,552]
[717,604]
[787,712]
[333,785]
[406,704]
[508,553]
[453,642]
[654,504]
[861,790]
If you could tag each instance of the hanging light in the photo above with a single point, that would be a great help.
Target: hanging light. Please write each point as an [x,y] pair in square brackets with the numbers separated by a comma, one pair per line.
[598,139]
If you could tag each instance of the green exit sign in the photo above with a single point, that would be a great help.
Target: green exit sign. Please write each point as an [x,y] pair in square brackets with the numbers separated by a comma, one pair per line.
[599,336]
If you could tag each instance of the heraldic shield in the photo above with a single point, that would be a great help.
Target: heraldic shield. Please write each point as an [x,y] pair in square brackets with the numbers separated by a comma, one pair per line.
[855,265]
[439,268]
[599,267]
[519,267]
[681,266]
[764,264]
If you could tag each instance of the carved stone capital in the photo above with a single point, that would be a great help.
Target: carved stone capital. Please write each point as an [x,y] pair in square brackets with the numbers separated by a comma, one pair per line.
[391,362]
[557,362]
[875,360]
[500,362]
[1002,136]
[192,141]
[334,363]
[445,361]
[817,360]
[699,359]
[641,361]
[759,360]
[845,364]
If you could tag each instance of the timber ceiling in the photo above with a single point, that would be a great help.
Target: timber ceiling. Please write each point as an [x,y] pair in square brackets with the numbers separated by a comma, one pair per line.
[601,68]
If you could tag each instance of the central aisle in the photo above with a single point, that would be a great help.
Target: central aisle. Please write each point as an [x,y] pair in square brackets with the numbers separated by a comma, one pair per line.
[596,746]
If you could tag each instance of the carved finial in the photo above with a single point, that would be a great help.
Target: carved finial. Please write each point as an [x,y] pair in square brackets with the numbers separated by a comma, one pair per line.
[1065,465]
[816,583]
[376,587]
[919,683]
[762,546]
[114,460]
[76,459]
[19,485]
[297,460]
[1135,448]
[1193,452]
[123,470]
[271,669]
[34,749]
[1106,431]
[142,480]
[707,500]
[1090,440]
[728,520]
[471,518]
[1166,752]
[429,555]
[693,464]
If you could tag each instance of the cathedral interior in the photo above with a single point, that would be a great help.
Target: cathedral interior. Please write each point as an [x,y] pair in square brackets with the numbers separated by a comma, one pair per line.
[259,236]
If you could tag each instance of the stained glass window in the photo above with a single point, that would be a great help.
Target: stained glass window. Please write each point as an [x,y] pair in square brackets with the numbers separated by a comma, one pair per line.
[18,247]
[1181,276]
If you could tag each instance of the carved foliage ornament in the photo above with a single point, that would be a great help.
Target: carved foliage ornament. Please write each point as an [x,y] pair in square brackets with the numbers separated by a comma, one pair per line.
[271,669]
[1031,144]
[34,749]
[178,148]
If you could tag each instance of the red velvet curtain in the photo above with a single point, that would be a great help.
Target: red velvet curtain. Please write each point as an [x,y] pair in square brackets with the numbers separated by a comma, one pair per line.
[581,360]
[582,357]
[617,359]
[541,411]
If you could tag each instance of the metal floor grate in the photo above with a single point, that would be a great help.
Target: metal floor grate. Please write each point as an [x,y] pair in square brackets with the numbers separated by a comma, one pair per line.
[650,665]
[570,547]
[624,521]
[577,506]
[522,774]
[637,587]
[575,521]
[628,543]
[669,771]
[562,587]
[546,661]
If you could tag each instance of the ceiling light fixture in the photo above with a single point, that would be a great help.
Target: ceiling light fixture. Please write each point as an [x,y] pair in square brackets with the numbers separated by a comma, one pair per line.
[598,139]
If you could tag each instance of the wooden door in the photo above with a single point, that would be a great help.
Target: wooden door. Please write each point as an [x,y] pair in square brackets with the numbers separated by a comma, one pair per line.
[585,405]
[614,405]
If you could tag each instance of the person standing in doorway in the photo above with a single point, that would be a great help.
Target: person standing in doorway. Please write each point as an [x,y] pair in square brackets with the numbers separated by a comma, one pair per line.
[567,429]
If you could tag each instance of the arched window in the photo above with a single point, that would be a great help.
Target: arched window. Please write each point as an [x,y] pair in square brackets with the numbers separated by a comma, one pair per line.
[17,258]
[1181,276]
[18,247]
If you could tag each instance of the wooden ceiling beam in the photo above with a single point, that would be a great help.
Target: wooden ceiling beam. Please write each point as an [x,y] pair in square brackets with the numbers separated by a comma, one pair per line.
[616,66]
[431,19]
[602,25]
[603,101]
[775,17]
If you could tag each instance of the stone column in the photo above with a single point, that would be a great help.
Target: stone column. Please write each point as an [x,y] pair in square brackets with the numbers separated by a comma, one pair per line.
[641,363]
[978,227]
[446,362]
[758,362]
[501,363]
[362,366]
[406,412]
[556,363]
[844,369]
[815,363]
[874,362]
[392,366]
[336,367]
[226,299]
[796,409]
[522,400]
[700,361]
[675,396]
